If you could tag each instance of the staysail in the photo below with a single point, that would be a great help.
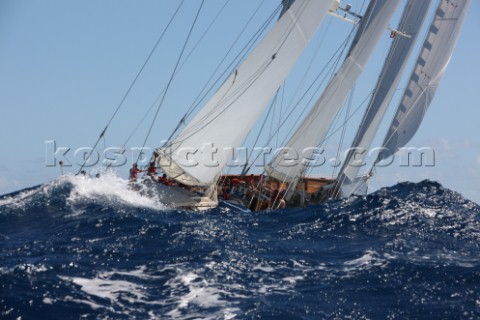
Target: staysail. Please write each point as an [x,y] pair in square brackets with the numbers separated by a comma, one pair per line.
[410,24]
[226,119]
[428,71]
[313,129]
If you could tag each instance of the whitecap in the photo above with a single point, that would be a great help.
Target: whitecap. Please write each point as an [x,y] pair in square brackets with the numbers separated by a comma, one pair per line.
[108,186]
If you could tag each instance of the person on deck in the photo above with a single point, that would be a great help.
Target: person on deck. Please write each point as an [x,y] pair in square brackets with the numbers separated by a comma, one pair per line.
[163,179]
[134,172]
[152,170]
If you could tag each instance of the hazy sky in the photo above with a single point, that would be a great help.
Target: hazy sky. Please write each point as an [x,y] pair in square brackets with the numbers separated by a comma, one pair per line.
[65,66]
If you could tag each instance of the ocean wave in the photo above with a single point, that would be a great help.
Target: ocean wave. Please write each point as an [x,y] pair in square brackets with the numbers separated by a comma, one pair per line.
[88,247]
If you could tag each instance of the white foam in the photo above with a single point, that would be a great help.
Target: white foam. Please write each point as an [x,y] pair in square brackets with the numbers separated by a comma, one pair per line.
[107,289]
[263,268]
[110,186]
[293,280]
[201,293]
[369,260]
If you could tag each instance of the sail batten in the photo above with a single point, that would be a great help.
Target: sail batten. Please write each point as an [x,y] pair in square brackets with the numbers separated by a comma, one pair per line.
[411,22]
[226,119]
[431,64]
[312,131]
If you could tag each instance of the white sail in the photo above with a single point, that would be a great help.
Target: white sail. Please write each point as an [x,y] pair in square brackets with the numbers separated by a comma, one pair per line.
[313,129]
[428,71]
[411,22]
[226,119]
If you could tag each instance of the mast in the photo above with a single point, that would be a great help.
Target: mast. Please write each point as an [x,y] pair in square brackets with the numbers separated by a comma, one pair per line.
[431,64]
[312,131]
[198,155]
[410,24]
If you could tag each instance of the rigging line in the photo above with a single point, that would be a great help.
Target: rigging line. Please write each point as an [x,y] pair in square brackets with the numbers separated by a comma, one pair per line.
[344,48]
[122,149]
[183,63]
[190,53]
[171,79]
[282,103]
[297,90]
[344,127]
[204,33]
[387,63]
[248,82]
[275,111]
[338,54]
[312,59]
[227,95]
[240,56]
[259,134]
[334,67]
[132,84]
[241,89]
[270,138]
[280,45]
[335,130]
[337,116]
[331,72]
[348,119]
[324,70]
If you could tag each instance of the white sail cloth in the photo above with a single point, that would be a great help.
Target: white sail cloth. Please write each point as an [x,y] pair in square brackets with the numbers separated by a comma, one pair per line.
[312,131]
[429,69]
[411,22]
[198,155]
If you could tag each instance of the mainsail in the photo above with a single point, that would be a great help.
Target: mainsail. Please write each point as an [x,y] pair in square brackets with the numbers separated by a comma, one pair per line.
[313,129]
[411,22]
[428,71]
[226,119]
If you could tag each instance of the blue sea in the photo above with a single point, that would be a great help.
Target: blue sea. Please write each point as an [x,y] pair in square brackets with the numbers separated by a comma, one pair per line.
[86,248]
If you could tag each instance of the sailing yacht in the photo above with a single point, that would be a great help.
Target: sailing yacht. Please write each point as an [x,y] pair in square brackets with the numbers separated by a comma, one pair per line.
[192,162]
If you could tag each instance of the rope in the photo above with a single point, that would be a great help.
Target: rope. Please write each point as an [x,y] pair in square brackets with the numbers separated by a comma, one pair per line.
[245,170]
[199,123]
[170,80]
[240,57]
[288,115]
[130,87]
[160,95]
[344,127]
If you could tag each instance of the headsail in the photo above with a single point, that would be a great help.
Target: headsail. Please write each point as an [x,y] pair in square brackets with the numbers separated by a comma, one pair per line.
[429,69]
[226,119]
[313,129]
[411,22]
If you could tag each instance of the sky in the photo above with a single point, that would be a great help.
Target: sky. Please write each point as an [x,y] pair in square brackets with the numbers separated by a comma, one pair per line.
[66,65]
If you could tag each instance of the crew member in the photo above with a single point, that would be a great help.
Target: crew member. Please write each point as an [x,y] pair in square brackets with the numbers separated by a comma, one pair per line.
[151,171]
[134,172]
